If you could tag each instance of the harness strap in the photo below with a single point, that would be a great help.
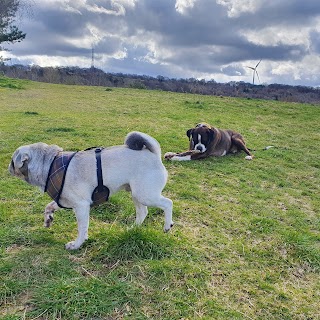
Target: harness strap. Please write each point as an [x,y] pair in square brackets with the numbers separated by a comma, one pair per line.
[99,169]
[101,192]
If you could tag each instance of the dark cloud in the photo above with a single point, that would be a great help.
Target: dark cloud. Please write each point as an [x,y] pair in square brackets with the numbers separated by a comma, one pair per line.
[233,71]
[315,41]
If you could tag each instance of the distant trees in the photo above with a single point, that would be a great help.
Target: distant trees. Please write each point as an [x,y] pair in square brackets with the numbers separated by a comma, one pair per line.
[9,33]
[97,77]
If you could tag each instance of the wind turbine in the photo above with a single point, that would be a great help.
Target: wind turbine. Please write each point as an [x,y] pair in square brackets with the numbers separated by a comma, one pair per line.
[255,72]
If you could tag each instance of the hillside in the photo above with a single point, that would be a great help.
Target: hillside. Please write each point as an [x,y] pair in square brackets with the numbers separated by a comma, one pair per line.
[245,244]
[96,77]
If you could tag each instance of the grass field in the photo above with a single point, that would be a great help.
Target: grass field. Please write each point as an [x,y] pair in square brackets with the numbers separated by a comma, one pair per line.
[246,240]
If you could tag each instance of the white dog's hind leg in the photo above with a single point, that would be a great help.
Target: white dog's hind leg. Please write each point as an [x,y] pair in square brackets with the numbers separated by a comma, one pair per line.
[82,215]
[141,211]
[166,205]
[151,196]
[48,213]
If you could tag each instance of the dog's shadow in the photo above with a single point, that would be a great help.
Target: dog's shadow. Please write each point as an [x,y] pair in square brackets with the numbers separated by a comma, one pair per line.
[118,208]
[108,211]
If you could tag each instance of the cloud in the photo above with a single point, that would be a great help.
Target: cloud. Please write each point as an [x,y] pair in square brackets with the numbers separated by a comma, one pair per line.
[182,6]
[315,41]
[183,38]
[238,7]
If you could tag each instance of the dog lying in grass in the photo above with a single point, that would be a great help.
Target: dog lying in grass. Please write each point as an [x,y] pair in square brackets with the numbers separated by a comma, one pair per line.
[208,141]
[135,166]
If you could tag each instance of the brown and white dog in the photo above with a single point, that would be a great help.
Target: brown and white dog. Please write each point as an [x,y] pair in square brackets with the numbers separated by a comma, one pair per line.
[208,141]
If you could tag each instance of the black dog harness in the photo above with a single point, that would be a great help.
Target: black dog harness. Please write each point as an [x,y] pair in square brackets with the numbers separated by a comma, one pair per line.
[101,192]
[57,173]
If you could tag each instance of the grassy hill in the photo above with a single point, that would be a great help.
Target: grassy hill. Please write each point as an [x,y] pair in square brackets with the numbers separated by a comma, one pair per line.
[246,240]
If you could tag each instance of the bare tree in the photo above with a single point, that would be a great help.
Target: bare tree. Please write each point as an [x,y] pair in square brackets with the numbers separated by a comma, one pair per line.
[9,33]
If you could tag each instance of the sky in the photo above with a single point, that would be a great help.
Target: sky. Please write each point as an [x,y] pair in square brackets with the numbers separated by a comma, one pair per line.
[203,39]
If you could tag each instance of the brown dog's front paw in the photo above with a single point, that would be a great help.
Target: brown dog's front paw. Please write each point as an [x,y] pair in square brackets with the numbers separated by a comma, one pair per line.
[169,155]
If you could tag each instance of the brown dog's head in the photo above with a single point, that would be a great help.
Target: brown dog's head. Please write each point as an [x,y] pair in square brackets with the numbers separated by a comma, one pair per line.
[200,137]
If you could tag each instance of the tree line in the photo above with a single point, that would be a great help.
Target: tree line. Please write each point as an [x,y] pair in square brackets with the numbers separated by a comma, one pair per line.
[97,77]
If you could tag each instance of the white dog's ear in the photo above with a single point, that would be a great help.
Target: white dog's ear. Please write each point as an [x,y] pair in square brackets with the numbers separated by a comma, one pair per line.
[22,160]
[21,163]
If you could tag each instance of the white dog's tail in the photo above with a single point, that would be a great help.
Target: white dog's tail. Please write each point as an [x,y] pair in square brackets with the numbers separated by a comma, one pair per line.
[138,140]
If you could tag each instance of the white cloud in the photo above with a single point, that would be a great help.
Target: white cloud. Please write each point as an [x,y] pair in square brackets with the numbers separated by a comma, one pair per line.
[182,6]
[278,35]
[237,7]
[54,61]
[118,10]
[115,7]
[308,68]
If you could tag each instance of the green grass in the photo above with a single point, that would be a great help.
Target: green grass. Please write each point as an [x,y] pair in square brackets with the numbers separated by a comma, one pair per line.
[246,240]
[11,83]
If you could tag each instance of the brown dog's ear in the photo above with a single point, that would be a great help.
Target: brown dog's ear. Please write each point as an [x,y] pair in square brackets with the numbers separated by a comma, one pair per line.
[211,135]
[189,133]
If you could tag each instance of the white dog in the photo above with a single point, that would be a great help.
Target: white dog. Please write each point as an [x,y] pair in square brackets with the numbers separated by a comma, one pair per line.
[135,166]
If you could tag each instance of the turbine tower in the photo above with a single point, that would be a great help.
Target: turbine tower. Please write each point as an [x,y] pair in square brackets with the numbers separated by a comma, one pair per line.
[92,57]
[255,72]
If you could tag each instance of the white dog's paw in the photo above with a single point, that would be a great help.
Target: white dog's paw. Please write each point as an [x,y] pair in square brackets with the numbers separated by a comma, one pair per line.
[48,219]
[249,157]
[72,245]
[169,155]
[168,227]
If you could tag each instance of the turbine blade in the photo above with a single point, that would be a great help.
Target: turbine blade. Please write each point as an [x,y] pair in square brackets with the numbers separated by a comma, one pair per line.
[258,63]
[258,76]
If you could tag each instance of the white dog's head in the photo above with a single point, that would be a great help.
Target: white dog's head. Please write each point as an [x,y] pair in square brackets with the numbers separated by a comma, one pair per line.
[32,162]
